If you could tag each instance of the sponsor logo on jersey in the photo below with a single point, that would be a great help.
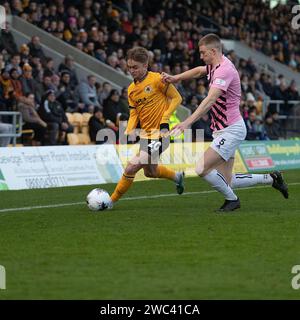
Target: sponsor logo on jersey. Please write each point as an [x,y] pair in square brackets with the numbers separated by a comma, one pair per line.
[148,89]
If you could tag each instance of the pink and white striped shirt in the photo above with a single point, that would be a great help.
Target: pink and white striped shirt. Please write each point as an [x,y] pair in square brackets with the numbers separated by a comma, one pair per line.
[226,110]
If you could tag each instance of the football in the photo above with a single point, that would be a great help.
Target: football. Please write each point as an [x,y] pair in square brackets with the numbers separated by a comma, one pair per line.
[98,200]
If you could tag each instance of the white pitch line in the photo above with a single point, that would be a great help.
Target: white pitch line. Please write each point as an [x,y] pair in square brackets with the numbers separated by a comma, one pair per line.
[130,198]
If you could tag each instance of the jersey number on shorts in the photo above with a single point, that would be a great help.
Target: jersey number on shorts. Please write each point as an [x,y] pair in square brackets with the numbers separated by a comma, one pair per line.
[221,142]
[154,145]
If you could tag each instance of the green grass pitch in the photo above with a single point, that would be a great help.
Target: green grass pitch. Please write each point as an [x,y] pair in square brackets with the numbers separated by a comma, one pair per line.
[168,247]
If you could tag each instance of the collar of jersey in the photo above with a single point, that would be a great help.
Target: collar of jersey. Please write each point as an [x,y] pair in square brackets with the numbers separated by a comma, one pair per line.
[218,65]
[144,77]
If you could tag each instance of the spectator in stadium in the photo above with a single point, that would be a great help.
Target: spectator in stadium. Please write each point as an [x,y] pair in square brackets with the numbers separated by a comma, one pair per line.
[124,101]
[55,80]
[96,123]
[32,119]
[201,91]
[65,94]
[112,109]
[30,85]
[267,85]
[69,66]
[203,124]
[254,128]
[7,41]
[72,24]
[37,69]
[5,128]
[24,54]
[272,128]
[123,67]
[2,62]
[17,86]
[193,103]
[280,93]
[126,24]
[292,91]
[53,114]
[2,100]
[15,63]
[90,49]
[36,49]
[104,93]
[88,93]
[250,101]
[49,70]
[47,85]
[7,90]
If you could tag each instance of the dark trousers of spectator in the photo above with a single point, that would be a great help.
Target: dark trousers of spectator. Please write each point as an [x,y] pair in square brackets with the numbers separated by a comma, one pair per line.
[56,135]
[39,131]
[53,130]
[63,134]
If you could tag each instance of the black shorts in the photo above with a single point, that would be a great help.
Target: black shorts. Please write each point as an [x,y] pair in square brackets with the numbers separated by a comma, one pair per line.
[154,147]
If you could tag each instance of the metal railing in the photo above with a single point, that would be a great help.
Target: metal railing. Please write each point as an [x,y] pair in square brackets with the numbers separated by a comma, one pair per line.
[16,125]
[278,104]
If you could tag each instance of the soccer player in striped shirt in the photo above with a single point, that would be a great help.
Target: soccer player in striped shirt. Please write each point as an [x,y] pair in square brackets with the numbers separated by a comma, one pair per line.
[229,130]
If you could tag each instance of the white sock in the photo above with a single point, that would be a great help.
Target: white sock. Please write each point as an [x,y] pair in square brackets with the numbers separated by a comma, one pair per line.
[247,180]
[177,176]
[219,183]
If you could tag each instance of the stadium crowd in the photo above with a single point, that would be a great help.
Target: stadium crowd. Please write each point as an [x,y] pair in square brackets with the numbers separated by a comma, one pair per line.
[169,30]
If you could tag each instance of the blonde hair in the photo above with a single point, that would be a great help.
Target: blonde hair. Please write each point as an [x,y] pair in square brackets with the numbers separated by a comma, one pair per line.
[211,40]
[138,54]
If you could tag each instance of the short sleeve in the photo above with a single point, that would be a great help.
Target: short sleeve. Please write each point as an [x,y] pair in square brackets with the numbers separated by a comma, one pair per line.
[222,78]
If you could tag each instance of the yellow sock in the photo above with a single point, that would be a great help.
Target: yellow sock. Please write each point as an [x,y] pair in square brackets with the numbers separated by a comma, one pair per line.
[123,185]
[163,172]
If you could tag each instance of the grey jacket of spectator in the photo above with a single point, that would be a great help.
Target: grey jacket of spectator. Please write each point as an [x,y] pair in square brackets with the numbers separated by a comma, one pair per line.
[29,114]
[31,86]
[88,94]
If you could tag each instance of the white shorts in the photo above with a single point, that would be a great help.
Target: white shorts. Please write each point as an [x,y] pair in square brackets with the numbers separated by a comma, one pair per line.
[227,140]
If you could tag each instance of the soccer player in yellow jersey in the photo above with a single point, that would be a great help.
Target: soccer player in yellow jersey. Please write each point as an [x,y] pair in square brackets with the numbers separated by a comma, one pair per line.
[151,103]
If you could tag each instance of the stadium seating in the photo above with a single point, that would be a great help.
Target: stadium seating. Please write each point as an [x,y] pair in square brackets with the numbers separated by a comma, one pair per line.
[76,120]
[78,139]
[85,122]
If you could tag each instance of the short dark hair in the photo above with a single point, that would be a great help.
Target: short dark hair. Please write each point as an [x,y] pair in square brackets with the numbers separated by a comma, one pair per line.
[90,76]
[138,54]
[97,109]
[211,40]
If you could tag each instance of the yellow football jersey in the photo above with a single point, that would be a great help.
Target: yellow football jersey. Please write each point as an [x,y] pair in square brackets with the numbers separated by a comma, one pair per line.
[148,102]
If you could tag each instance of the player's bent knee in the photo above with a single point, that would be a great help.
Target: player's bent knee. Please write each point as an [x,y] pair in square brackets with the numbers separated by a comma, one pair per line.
[131,169]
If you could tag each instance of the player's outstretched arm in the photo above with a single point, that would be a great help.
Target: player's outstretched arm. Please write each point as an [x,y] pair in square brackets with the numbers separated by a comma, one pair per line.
[175,99]
[189,74]
[203,108]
